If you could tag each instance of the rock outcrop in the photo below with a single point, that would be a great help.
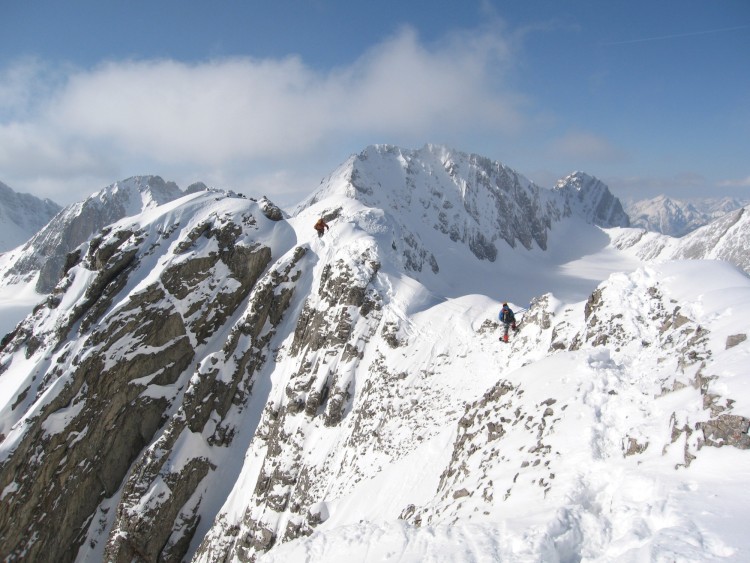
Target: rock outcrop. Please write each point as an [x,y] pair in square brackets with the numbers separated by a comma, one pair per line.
[113,373]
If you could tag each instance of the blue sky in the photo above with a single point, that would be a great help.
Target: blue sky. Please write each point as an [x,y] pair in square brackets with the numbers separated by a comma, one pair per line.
[269,97]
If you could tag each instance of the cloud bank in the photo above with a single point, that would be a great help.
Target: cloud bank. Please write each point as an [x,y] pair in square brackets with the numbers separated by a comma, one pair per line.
[239,114]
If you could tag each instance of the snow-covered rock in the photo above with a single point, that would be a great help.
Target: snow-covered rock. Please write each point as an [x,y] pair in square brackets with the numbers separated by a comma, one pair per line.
[210,381]
[22,216]
[590,198]
[43,257]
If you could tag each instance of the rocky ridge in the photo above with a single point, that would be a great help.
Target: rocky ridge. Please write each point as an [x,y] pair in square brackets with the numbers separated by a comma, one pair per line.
[471,199]
[588,197]
[223,386]
[113,359]
[45,253]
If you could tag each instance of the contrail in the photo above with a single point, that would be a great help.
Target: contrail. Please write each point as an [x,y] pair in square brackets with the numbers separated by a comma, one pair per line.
[691,34]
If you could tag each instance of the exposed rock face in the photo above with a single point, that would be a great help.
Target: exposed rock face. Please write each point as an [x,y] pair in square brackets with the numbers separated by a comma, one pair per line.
[98,404]
[675,335]
[735,339]
[499,203]
[591,198]
[164,529]
[727,238]
[337,320]
[469,198]
[219,388]
[487,468]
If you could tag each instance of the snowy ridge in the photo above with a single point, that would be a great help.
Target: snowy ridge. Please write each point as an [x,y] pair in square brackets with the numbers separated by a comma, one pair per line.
[424,205]
[468,197]
[107,383]
[582,452]
[225,385]
[726,238]
[44,255]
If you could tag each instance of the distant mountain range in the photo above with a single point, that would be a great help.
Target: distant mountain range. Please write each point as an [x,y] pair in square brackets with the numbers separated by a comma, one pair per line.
[726,238]
[46,251]
[22,216]
[677,217]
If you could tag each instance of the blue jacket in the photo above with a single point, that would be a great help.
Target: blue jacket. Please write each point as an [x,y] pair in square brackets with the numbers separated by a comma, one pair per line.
[506,315]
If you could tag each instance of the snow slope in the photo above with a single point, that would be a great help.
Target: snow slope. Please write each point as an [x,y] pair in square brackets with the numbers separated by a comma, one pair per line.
[454,222]
[31,271]
[580,459]
[45,253]
[263,394]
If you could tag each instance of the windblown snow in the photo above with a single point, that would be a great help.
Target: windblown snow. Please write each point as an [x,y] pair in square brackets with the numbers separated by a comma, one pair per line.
[347,398]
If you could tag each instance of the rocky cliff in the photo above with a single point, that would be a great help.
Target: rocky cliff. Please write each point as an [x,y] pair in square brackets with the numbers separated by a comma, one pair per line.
[113,349]
[209,381]
[589,197]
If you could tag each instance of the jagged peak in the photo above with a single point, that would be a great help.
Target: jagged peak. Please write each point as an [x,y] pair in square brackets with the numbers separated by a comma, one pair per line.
[386,166]
[45,252]
[248,382]
[580,181]
[137,193]
[589,197]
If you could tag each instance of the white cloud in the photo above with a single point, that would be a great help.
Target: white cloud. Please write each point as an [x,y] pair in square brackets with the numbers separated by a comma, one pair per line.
[27,150]
[403,86]
[222,113]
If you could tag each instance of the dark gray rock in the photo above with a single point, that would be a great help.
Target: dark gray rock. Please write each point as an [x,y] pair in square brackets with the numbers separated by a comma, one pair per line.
[735,339]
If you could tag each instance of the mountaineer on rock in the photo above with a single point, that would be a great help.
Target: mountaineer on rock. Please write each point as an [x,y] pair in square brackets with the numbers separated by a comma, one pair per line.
[321,226]
[508,319]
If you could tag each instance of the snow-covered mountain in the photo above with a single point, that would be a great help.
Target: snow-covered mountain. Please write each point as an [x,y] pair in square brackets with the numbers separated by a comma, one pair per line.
[726,238]
[209,381]
[676,217]
[22,216]
[483,210]
[45,254]
[590,198]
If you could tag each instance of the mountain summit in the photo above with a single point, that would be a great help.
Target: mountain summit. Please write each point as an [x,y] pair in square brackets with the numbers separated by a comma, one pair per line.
[467,197]
[591,198]
[211,381]
[423,205]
